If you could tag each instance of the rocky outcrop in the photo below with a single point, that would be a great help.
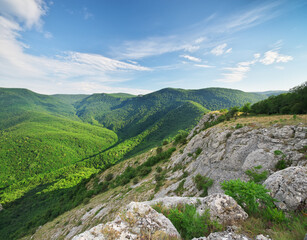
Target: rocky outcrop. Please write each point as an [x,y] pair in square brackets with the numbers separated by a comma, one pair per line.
[230,236]
[137,221]
[222,208]
[289,187]
[207,118]
[226,152]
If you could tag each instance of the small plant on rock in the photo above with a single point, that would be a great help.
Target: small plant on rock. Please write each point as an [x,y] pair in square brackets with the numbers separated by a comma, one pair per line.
[203,183]
[257,176]
[188,222]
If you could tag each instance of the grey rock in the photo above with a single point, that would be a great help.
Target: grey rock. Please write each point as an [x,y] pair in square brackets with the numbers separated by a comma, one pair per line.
[1,208]
[138,219]
[228,152]
[262,237]
[224,236]
[289,187]
[222,208]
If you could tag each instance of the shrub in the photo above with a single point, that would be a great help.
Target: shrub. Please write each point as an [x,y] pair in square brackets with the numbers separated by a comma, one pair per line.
[249,195]
[188,222]
[143,171]
[165,142]
[282,163]
[159,150]
[198,151]
[203,183]
[255,175]
[158,169]
[239,125]
[181,138]
[109,177]
[180,189]
[177,167]
[135,180]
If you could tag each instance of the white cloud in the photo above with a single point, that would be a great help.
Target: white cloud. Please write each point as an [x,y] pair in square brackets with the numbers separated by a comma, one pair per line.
[191,48]
[236,74]
[271,57]
[26,11]
[257,55]
[239,72]
[204,66]
[20,69]
[191,58]
[229,50]
[199,40]
[191,38]
[221,49]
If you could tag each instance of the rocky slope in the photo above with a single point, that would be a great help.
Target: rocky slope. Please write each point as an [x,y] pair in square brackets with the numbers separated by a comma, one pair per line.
[222,152]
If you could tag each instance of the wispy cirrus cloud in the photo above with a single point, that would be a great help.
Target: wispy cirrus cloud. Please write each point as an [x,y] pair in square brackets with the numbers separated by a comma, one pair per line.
[193,40]
[191,58]
[21,69]
[203,66]
[221,49]
[238,73]
[271,57]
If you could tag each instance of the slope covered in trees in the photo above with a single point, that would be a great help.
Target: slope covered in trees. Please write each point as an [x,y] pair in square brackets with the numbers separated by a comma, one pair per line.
[50,144]
[293,102]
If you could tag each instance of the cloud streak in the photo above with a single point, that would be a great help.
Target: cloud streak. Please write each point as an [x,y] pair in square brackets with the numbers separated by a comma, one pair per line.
[221,49]
[20,69]
[191,58]
[195,39]
[238,73]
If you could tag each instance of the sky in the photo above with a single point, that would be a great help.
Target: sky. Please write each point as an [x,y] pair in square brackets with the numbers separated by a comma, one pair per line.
[140,46]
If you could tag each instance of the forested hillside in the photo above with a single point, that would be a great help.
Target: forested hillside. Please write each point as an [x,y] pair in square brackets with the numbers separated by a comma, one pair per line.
[50,145]
[293,102]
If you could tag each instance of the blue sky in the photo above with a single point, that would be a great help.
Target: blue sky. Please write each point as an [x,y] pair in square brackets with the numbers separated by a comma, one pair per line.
[139,46]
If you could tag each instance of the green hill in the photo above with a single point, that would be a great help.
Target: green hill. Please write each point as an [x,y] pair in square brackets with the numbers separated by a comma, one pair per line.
[50,145]
[131,116]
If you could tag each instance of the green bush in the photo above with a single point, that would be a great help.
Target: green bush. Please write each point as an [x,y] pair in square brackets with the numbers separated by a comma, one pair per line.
[181,138]
[203,183]
[159,150]
[249,195]
[188,222]
[255,175]
[198,151]
[158,169]
[180,189]
[109,177]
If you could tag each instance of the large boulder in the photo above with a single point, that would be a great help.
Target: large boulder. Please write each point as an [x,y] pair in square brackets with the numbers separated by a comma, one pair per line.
[222,208]
[137,221]
[289,187]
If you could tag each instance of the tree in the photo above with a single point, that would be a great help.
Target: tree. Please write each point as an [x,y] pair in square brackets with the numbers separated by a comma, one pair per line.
[246,108]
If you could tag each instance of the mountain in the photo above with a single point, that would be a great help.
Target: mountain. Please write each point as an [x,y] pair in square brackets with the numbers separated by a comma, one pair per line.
[221,152]
[271,93]
[130,116]
[52,144]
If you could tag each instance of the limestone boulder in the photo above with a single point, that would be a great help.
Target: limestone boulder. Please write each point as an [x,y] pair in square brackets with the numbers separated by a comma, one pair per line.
[137,221]
[289,187]
[222,208]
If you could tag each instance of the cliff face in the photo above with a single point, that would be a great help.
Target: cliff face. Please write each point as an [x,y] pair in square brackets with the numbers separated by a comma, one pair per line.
[222,152]
[226,151]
